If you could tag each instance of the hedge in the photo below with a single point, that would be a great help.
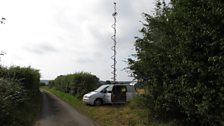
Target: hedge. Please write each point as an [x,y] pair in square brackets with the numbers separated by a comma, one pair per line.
[76,84]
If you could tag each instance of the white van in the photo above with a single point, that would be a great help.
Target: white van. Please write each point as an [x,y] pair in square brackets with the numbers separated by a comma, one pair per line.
[110,94]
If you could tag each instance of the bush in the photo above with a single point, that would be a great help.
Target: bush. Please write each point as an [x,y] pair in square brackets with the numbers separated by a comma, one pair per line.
[12,96]
[19,94]
[42,84]
[29,78]
[76,84]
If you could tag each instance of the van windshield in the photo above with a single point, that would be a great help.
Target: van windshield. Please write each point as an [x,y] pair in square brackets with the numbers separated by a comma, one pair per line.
[101,88]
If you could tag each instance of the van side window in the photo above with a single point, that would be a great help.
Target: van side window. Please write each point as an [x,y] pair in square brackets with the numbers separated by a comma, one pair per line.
[104,90]
[109,89]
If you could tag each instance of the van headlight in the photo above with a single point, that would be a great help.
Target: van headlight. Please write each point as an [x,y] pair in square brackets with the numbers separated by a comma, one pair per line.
[87,97]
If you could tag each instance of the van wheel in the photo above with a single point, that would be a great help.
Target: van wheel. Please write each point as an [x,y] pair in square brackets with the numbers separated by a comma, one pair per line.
[98,102]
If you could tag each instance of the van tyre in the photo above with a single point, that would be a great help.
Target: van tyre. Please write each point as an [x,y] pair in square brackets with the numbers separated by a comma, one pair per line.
[98,102]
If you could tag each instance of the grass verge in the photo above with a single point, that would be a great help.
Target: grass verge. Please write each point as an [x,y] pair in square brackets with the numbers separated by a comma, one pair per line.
[109,115]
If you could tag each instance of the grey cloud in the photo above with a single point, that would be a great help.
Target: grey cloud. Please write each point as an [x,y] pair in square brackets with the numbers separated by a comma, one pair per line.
[84,60]
[125,41]
[91,57]
[68,20]
[41,48]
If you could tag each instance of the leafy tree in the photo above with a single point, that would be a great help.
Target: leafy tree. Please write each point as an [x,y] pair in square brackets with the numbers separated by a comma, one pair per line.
[108,82]
[28,77]
[180,59]
[77,84]
[42,84]
[12,96]
[19,94]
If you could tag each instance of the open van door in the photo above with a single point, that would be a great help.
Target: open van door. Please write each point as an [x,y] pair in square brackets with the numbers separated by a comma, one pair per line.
[107,94]
[118,94]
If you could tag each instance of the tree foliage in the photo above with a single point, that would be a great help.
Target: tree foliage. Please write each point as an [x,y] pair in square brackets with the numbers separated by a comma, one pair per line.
[12,95]
[28,77]
[76,84]
[180,58]
[19,88]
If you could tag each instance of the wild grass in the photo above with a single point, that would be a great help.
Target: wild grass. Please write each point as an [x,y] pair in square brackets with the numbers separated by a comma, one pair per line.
[109,115]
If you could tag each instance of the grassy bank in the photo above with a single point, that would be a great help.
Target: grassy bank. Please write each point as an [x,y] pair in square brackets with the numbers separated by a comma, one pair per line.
[109,115]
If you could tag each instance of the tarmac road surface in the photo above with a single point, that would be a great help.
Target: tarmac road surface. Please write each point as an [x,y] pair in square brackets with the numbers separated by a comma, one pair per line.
[56,112]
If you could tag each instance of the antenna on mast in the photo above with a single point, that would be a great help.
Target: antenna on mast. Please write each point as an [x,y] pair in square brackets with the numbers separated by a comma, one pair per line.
[114,46]
[2,20]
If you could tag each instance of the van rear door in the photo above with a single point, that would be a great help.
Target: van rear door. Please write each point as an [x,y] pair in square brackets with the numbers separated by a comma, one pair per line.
[119,94]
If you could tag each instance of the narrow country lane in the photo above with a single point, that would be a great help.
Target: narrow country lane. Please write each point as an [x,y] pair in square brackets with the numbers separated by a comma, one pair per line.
[56,112]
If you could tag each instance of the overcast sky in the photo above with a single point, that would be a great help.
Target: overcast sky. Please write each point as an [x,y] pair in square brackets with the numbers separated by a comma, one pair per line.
[66,36]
